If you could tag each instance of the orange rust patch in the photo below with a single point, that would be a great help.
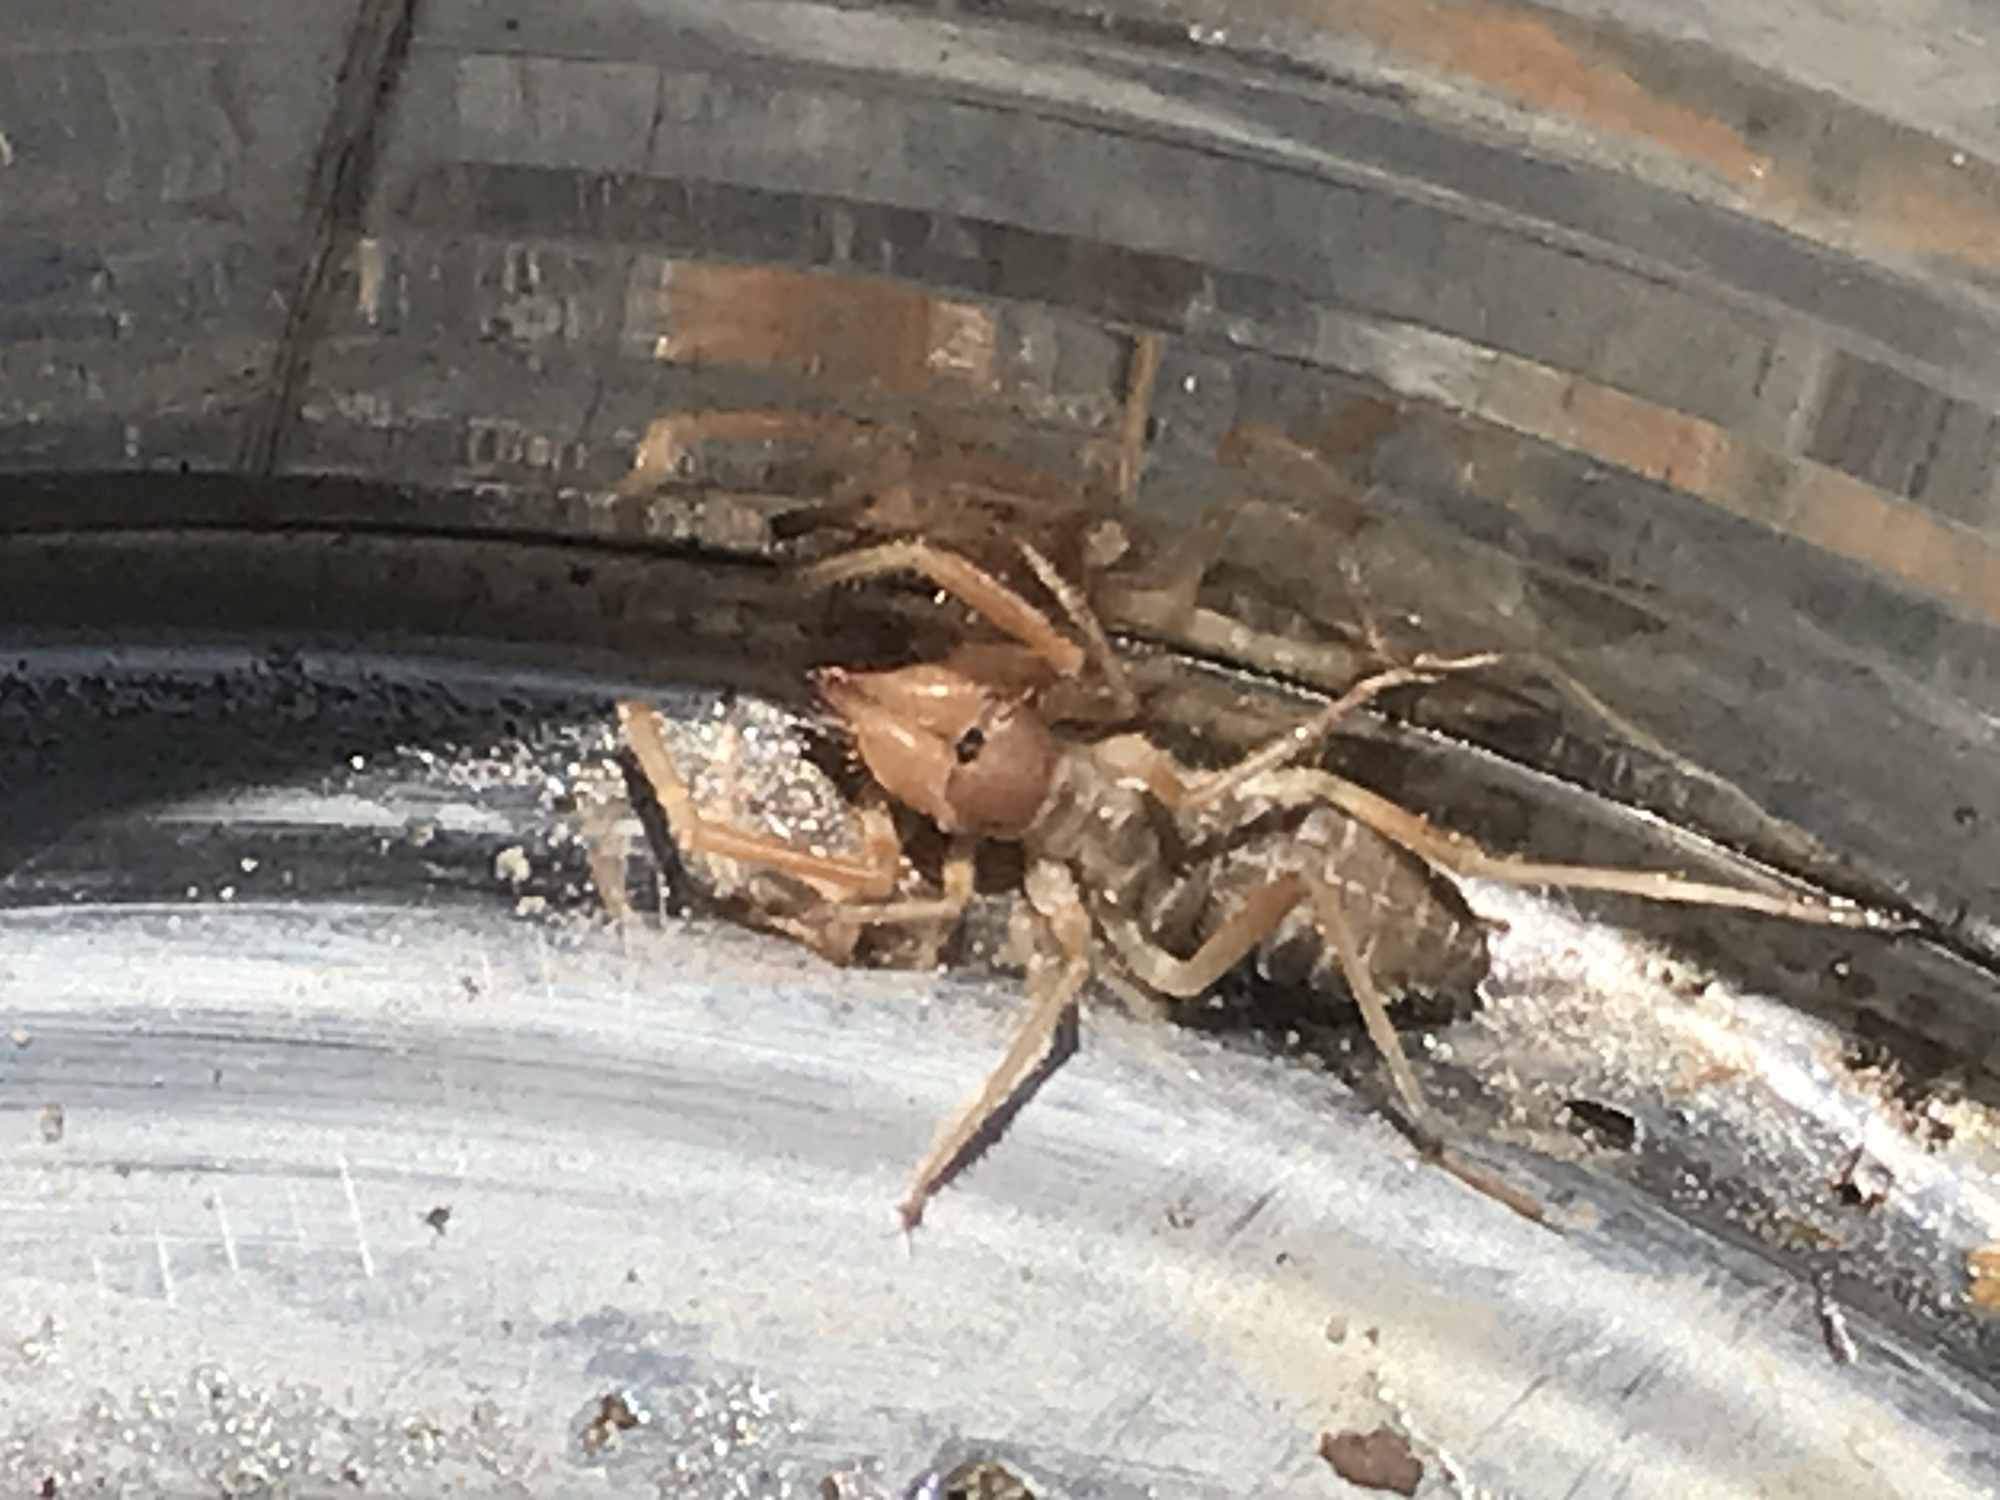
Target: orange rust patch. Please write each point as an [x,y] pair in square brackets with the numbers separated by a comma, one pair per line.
[1915,194]
[1983,1265]
[1523,53]
[1807,500]
[1844,515]
[672,444]
[889,470]
[1648,439]
[1927,206]
[853,330]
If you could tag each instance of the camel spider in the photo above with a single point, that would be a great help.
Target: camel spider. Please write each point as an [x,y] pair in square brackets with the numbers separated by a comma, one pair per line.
[1133,860]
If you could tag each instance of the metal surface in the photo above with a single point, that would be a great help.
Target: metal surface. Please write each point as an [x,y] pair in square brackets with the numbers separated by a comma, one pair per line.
[681,1189]
[343,1134]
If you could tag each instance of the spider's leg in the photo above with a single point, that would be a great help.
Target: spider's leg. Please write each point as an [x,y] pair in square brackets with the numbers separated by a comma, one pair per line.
[965,581]
[1124,702]
[1222,950]
[845,921]
[1313,730]
[836,876]
[1455,854]
[1051,992]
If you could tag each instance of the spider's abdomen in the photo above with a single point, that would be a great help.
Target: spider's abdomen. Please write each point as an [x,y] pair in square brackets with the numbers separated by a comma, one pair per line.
[1414,932]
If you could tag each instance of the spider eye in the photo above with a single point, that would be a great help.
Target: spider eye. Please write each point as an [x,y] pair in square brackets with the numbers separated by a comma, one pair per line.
[969,745]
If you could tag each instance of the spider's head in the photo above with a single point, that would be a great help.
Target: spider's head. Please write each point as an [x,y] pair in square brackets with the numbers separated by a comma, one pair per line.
[968,758]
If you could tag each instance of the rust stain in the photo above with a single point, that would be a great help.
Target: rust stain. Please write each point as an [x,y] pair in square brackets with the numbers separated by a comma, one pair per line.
[886,475]
[671,446]
[1925,205]
[856,331]
[1809,501]
[1665,445]
[1910,193]
[1651,440]
[1844,515]
[1647,439]
[1983,1266]
[1525,54]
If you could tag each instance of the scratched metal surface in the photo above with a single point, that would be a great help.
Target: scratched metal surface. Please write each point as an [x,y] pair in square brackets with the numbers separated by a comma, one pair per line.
[679,1192]
[379,1154]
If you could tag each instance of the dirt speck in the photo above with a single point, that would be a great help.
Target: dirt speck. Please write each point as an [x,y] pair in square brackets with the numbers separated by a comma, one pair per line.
[1863,1183]
[438,1218]
[1378,1460]
[1604,1126]
[984,1480]
[614,1415]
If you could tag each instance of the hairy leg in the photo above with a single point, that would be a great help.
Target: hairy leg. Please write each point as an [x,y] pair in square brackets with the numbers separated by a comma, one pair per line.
[1134,758]
[844,921]
[1250,924]
[965,581]
[1313,731]
[1052,991]
[856,895]
[1333,925]
[836,876]
[1265,774]
[1455,854]
[1124,702]
[1222,950]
